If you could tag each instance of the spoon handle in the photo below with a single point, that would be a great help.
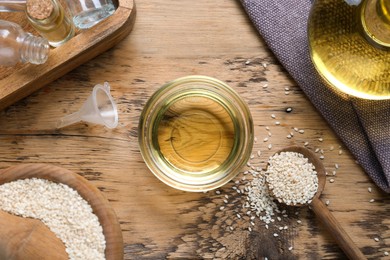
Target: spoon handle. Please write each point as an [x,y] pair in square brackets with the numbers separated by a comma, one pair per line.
[341,237]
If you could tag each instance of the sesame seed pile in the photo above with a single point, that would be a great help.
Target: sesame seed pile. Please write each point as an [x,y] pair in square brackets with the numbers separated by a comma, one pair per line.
[291,178]
[62,209]
[260,200]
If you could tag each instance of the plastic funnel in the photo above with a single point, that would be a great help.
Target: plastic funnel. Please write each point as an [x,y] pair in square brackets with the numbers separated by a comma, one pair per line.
[99,108]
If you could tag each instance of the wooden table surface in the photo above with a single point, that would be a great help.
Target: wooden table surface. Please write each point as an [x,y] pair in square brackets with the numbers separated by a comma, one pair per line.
[172,39]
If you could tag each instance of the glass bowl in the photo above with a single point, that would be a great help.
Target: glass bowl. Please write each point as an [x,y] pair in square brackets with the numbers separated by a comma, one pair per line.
[195,133]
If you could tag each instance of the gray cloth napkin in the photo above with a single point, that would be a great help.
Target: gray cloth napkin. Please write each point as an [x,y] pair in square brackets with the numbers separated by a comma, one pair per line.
[363,125]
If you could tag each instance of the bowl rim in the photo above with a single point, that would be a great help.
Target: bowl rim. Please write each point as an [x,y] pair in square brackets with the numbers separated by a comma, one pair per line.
[241,111]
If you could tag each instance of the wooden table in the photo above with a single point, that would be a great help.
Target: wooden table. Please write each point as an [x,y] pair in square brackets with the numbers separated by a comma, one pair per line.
[173,39]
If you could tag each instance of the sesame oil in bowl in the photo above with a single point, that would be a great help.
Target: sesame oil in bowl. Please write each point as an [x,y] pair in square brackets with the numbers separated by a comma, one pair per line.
[195,133]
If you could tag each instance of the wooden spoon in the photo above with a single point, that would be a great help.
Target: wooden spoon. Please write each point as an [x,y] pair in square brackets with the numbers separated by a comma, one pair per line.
[320,209]
[26,238]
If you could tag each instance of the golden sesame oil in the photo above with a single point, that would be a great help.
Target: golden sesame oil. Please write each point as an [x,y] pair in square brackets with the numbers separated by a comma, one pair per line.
[195,134]
[349,46]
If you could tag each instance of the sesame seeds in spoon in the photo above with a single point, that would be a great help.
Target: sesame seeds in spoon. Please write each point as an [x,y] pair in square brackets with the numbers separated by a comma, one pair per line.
[296,176]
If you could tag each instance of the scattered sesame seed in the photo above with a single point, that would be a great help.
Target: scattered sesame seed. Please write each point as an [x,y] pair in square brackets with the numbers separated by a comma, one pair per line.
[286,93]
[289,136]
[320,139]
[376,239]
[250,229]
[231,228]
[265,139]
[317,150]
[273,116]
[336,166]
[238,215]
[299,222]
[221,208]
[225,201]
[277,123]
[276,235]
[290,248]
[265,65]
[217,192]
[269,134]
[322,157]
[369,189]
[226,196]
[372,200]
[331,180]
[247,62]
[340,152]
[255,139]
[296,129]
[306,144]
[289,109]
[266,226]
[386,253]
[269,146]
[252,156]
[327,203]
[285,227]
[334,173]
[301,131]
[331,148]
[258,153]
[267,128]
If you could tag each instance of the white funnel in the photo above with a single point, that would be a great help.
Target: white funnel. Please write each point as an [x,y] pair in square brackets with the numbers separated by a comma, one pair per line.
[99,108]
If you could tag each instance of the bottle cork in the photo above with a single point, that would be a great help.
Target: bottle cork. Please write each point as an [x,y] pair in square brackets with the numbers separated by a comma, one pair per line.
[39,9]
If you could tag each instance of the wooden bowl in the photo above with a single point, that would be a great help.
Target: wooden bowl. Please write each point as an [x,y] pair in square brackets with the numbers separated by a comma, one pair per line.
[99,204]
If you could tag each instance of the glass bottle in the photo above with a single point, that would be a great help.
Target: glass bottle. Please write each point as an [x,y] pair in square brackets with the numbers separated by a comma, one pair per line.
[50,20]
[350,46]
[87,13]
[12,5]
[19,46]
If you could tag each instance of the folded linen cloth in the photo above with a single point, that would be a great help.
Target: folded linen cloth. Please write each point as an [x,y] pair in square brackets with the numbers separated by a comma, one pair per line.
[363,125]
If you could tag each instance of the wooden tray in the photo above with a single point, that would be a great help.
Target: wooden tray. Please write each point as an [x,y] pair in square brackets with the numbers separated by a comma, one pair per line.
[99,204]
[22,80]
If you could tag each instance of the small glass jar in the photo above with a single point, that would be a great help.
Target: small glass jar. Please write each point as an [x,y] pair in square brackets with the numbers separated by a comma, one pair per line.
[50,20]
[195,133]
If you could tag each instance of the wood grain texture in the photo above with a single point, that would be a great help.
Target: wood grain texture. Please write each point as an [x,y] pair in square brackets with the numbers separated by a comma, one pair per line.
[171,39]
[24,238]
[23,79]
[99,204]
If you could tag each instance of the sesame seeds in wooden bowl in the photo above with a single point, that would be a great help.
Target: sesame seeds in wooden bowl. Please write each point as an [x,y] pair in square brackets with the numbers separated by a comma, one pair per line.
[59,179]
